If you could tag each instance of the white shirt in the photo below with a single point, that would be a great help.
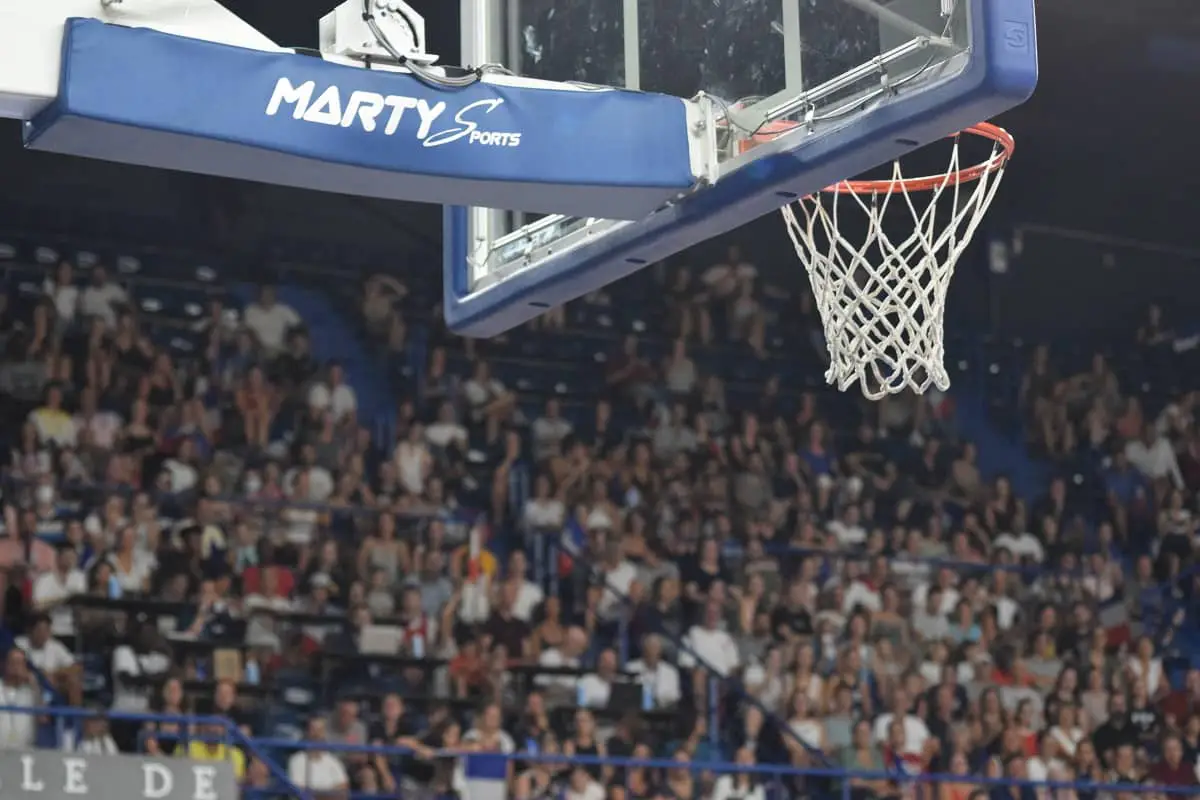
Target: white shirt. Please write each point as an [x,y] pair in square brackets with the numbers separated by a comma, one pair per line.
[52,656]
[592,791]
[930,627]
[270,325]
[726,789]
[321,772]
[715,647]
[341,399]
[593,691]
[662,678]
[183,475]
[949,598]
[541,515]
[619,578]
[320,484]
[1156,461]
[860,594]
[847,534]
[99,301]
[443,434]
[50,588]
[507,745]
[132,581]
[479,394]
[529,596]
[126,662]
[102,746]
[103,425]
[1151,676]
[554,658]
[547,436]
[66,299]
[1020,545]
[17,731]
[915,732]
[1068,740]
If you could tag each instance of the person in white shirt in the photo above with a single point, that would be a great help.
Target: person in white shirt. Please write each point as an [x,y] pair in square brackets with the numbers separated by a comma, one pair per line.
[662,678]
[92,738]
[528,594]
[317,770]
[741,785]
[582,786]
[180,468]
[916,733]
[548,432]
[334,394]
[270,320]
[543,513]
[618,575]
[949,594]
[714,646]
[18,689]
[1154,456]
[63,293]
[849,530]
[446,431]
[52,659]
[567,654]
[146,657]
[489,733]
[102,298]
[96,427]
[595,688]
[929,622]
[723,279]
[52,590]
[414,463]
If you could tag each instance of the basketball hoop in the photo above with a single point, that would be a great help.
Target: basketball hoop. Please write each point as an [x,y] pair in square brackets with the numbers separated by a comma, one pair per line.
[882,299]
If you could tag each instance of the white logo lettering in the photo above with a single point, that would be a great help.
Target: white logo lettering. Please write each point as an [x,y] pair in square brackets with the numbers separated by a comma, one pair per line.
[365,110]
[205,790]
[75,768]
[158,781]
[28,782]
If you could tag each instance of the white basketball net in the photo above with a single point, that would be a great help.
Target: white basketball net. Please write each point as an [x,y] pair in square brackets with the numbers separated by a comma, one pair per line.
[882,300]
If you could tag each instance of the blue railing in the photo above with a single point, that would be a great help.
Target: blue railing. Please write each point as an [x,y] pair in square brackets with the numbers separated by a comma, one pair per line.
[780,781]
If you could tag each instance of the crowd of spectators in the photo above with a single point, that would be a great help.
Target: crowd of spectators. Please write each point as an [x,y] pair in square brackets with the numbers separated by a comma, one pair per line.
[220,533]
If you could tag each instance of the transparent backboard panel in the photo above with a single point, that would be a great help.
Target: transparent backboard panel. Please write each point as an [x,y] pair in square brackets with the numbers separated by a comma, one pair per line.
[770,63]
[758,56]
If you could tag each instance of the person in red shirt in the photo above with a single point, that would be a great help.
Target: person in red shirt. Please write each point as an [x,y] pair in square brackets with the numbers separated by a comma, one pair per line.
[1181,704]
[1173,770]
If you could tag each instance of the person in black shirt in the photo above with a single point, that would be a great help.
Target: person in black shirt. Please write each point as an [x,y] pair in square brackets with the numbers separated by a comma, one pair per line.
[706,570]
[948,692]
[1115,732]
[791,619]
[505,629]
[533,724]
[392,726]
[1147,721]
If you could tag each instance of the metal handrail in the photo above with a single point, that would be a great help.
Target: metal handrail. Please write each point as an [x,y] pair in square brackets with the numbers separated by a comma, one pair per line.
[255,746]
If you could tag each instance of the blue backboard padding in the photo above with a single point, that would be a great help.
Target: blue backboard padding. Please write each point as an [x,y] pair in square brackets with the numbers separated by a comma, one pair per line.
[1001,73]
[141,96]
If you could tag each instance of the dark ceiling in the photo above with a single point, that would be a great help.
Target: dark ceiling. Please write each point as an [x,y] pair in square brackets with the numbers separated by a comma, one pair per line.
[1105,144]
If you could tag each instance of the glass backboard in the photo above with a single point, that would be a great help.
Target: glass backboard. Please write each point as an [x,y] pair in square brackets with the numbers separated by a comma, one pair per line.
[765,59]
[806,92]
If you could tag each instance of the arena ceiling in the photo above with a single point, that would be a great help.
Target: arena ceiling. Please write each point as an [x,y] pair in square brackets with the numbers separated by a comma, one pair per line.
[1105,144]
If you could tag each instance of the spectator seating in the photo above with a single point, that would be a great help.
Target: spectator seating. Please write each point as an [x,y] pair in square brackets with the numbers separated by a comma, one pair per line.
[647,501]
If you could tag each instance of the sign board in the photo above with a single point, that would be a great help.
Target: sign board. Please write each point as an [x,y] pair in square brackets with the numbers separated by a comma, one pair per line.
[55,775]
